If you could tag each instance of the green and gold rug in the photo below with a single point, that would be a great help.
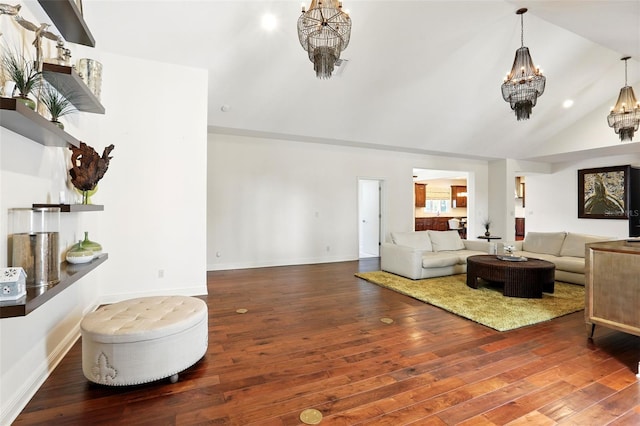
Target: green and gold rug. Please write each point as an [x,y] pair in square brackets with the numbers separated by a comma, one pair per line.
[486,305]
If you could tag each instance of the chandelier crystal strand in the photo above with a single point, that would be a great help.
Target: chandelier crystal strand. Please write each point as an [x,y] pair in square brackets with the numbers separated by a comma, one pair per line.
[324,32]
[525,83]
[625,115]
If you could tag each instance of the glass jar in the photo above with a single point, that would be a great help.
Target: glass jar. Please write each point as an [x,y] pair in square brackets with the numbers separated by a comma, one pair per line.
[34,236]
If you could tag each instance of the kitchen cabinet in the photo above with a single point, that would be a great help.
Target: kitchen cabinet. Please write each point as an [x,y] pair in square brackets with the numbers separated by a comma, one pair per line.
[420,190]
[458,196]
[437,223]
[520,227]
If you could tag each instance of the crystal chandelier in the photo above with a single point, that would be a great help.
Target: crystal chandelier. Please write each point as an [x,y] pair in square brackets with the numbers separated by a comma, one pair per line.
[625,115]
[324,31]
[525,83]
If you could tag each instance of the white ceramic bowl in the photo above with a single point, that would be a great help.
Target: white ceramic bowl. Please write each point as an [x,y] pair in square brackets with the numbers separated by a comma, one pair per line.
[80,259]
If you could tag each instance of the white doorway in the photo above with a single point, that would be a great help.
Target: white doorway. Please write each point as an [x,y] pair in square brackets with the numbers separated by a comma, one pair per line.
[369,217]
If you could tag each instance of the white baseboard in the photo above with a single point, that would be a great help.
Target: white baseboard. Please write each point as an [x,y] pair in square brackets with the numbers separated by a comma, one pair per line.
[13,405]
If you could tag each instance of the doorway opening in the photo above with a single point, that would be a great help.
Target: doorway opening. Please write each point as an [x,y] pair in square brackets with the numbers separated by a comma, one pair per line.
[440,200]
[369,217]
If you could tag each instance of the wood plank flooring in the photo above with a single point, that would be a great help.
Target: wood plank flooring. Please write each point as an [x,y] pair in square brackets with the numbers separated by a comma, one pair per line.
[312,338]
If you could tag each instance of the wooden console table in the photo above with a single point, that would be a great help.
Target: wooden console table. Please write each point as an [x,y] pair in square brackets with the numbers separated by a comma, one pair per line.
[612,286]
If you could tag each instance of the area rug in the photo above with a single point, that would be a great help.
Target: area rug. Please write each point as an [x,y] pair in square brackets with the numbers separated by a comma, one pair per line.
[485,305]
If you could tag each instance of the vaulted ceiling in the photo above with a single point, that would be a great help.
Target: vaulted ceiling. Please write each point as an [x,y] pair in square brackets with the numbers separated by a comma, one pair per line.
[419,76]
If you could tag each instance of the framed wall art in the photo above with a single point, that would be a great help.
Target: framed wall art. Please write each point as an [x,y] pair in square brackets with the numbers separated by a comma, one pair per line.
[603,192]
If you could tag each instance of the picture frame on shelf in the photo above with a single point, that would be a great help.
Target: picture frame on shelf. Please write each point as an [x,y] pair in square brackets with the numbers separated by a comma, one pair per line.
[603,192]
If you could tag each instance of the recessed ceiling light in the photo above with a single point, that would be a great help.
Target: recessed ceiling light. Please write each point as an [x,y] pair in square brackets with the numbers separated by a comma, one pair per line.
[269,22]
[567,103]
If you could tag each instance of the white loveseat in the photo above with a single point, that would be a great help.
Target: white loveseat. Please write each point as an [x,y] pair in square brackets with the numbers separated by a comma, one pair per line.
[564,249]
[427,254]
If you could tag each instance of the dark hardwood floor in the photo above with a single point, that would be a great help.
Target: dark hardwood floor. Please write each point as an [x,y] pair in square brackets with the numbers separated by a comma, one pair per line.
[312,338]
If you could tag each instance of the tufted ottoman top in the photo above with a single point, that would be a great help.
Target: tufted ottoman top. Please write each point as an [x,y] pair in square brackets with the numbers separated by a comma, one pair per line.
[144,318]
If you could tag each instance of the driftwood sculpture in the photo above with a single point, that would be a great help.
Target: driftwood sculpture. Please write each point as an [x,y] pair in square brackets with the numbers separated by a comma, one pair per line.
[87,167]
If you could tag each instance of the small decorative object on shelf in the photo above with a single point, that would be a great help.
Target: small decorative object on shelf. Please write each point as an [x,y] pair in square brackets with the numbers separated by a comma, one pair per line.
[34,236]
[23,73]
[90,72]
[56,104]
[13,282]
[39,32]
[79,254]
[96,248]
[7,9]
[87,168]
[486,223]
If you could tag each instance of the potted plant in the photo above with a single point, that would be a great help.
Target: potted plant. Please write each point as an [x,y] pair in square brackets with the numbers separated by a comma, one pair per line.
[486,223]
[24,74]
[56,104]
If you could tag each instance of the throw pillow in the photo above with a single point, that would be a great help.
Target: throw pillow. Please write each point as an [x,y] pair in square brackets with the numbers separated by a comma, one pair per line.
[544,242]
[415,239]
[446,240]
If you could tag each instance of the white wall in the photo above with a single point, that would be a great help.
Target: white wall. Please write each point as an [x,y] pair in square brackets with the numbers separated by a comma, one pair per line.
[552,200]
[274,202]
[155,209]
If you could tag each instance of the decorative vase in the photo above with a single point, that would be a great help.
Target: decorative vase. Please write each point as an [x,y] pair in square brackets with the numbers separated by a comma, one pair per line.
[79,254]
[96,248]
[86,195]
[30,103]
[487,233]
[59,124]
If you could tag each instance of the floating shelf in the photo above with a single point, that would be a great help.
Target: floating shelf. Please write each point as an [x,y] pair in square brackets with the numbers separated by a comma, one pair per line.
[37,296]
[68,19]
[68,82]
[19,118]
[72,208]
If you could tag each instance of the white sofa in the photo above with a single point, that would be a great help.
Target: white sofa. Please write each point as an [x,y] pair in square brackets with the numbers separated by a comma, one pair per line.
[564,249]
[427,254]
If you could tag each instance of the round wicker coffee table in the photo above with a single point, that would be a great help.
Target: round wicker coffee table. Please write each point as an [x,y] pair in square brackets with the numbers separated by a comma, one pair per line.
[521,279]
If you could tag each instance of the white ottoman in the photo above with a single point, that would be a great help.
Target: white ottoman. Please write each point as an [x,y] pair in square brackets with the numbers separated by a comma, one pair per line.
[144,339]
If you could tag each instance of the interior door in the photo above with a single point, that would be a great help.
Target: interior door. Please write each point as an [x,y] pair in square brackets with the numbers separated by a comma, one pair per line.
[369,217]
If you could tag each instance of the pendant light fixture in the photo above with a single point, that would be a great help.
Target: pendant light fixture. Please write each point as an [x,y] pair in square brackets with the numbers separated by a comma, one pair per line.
[625,115]
[525,83]
[324,32]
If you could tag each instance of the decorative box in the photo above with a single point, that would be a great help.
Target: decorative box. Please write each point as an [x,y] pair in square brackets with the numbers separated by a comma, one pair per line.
[13,282]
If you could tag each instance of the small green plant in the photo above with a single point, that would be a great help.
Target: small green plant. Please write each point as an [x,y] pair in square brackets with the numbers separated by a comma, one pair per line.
[56,104]
[21,71]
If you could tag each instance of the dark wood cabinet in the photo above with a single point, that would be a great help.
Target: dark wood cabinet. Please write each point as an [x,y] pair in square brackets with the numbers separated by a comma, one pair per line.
[519,226]
[437,223]
[458,196]
[420,190]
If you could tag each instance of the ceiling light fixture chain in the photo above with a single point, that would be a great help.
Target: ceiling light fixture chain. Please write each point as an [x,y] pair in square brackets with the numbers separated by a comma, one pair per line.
[522,29]
[624,117]
[324,32]
[524,84]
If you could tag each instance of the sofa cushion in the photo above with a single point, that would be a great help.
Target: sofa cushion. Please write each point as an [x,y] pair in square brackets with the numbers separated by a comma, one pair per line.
[574,244]
[446,240]
[570,264]
[414,239]
[462,255]
[439,260]
[544,242]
